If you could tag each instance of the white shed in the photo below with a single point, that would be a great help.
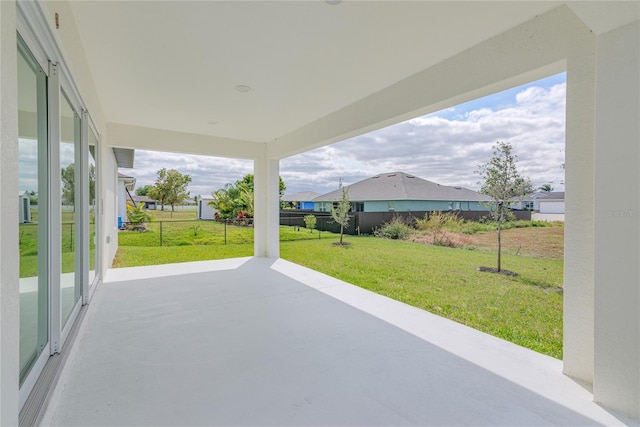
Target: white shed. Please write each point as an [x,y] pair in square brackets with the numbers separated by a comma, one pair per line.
[24,206]
[205,210]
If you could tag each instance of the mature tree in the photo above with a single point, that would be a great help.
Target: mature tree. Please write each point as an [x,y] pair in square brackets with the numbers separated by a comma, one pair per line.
[546,188]
[504,185]
[170,188]
[68,184]
[177,184]
[68,177]
[340,211]
[144,190]
[92,185]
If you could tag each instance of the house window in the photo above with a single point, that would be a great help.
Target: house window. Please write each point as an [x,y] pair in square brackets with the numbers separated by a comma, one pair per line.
[392,206]
[358,207]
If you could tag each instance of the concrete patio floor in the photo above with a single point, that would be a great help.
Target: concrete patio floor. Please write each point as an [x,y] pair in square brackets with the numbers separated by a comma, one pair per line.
[256,341]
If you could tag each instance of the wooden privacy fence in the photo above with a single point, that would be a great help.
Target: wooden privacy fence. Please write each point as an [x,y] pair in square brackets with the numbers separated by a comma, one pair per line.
[367,222]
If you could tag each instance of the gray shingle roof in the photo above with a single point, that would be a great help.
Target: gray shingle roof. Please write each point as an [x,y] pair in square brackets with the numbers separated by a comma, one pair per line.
[402,186]
[303,196]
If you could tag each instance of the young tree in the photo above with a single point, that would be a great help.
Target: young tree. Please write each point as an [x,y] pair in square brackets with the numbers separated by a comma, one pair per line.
[340,212]
[504,185]
[310,222]
[546,188]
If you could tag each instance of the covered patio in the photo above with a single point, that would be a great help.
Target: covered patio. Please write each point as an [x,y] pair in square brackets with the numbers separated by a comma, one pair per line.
[264,81]
[257,341]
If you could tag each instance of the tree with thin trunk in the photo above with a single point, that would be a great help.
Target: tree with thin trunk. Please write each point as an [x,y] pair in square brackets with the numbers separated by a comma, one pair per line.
[170,188]
[504,185]
[340,212]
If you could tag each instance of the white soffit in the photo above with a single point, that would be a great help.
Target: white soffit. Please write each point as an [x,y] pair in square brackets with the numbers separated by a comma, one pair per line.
[604,16]
[175,64]
[124,157]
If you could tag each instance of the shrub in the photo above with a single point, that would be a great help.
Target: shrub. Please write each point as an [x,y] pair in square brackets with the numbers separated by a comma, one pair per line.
[138,216]
[438,224]
[310,222]
[396,229]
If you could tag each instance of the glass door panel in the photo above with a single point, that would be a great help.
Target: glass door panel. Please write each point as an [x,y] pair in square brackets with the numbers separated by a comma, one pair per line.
[93,215]
[32,202]
[70,286]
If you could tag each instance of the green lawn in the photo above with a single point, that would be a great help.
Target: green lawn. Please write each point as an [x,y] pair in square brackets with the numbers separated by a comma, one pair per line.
[526,310]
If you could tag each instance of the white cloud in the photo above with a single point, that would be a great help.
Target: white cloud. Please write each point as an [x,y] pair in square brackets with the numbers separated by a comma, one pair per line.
[444,147]
[447,151]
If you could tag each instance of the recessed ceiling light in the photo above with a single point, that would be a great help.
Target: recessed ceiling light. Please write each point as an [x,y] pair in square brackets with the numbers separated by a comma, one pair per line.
[243,88]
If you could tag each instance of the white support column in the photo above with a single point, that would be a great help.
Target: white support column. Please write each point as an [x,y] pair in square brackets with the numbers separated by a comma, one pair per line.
[616,382]
[267,208]
[578,252]
[9,260]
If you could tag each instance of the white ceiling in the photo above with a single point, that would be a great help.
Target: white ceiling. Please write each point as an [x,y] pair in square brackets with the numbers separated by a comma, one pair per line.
[174,64]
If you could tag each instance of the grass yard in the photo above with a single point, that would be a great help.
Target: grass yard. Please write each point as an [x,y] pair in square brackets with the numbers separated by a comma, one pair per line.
[524,309]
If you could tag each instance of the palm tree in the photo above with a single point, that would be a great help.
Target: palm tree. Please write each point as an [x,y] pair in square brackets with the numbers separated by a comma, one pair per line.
[546,188]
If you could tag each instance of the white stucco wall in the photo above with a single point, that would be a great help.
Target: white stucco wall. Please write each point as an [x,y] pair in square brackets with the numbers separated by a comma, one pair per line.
[9,260]
[109,182]
[616,382]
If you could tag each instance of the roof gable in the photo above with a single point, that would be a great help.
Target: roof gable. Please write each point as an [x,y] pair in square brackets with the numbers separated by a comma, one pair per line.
[402,186]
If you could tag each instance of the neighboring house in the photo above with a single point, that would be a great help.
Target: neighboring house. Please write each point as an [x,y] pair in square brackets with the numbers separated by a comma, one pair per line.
[126,185]
[402,192]
[551,203]
[302,200]
[24,206]
[205,210]
[542,202]
[149,203]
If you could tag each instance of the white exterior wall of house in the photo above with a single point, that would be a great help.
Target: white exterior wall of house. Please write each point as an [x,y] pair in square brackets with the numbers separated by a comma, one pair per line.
[602,328]
[122,200]
[109,199]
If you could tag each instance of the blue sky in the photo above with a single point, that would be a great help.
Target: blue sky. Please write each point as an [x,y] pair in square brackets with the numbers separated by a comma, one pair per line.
[445,147]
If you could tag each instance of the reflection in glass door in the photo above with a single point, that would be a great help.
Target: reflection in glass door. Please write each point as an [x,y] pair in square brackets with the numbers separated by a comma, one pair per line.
[93,214]
[70,286]
[33,219]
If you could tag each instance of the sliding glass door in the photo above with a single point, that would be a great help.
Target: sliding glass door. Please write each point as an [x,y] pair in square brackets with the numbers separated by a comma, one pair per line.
[69,185]
[33,220]
[58,216]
